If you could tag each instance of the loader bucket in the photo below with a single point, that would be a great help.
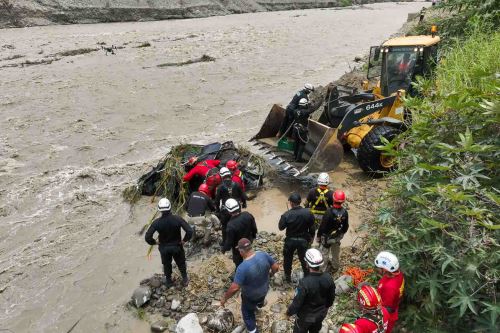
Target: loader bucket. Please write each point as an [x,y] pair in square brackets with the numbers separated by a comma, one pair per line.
[325,149]
[272,123]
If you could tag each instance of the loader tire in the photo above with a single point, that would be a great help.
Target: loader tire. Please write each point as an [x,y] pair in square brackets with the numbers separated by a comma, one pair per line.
[370,159]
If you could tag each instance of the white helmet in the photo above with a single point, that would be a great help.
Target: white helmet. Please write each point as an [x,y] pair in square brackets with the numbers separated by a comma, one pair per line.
[314,258]
[232,205]
[309,87]
[303,102]
[387,261]
[323,179]
[164,205]
[224,172]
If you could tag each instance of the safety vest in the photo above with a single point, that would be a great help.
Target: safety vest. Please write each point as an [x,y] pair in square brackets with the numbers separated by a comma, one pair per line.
[321,198]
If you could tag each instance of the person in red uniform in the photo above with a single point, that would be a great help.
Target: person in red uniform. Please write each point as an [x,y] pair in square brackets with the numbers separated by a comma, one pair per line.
[391,285]
[237,177]
[375,318]
[199,169]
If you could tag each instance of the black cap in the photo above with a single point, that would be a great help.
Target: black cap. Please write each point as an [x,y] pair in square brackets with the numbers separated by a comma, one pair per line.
[295,198]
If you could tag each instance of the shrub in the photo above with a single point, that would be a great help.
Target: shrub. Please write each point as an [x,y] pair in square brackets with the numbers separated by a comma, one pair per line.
[442,207]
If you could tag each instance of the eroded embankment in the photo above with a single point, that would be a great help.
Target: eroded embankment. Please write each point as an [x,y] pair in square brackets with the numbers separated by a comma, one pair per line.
[22,13]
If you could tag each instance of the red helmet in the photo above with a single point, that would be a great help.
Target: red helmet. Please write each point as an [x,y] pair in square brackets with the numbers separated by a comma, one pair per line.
[350,328]
[339,196]
[192,160]
[204,189]
[368,297]
[231,165]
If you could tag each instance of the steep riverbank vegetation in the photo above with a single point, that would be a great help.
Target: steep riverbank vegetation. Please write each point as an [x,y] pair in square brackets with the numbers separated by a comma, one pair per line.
[440,212]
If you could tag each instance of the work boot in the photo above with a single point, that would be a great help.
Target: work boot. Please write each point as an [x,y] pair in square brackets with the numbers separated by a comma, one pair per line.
[168,283]
[185,281]
[288,279]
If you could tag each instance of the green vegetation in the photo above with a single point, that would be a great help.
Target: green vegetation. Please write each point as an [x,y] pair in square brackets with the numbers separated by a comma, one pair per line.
[345,3]
[441,211]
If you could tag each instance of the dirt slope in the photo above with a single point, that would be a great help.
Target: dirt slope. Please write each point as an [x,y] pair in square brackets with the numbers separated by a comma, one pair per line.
[22,13]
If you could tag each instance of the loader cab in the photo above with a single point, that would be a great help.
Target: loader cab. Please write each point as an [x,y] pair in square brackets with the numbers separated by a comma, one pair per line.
[400,60]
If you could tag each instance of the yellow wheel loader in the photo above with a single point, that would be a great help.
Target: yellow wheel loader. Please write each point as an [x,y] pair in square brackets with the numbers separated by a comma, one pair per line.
[353,119]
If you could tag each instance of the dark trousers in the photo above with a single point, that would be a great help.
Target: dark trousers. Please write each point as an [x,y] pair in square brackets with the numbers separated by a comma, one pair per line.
[287,121]
[299,134]
[248,307]
[175,252]
[303,327]
[293,244]
[224,218]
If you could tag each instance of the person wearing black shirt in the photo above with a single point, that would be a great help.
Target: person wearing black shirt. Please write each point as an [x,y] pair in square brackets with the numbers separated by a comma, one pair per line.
[299,225]
[170,243]
[291,107]
[313,296]
[226,190]
[199,207]
[332,229]
[240,225]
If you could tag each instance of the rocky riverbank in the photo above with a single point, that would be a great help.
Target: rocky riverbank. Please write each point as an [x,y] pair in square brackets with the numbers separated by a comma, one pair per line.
[22,13]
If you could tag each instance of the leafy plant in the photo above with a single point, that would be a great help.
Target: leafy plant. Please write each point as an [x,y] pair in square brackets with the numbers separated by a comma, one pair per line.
[441,211]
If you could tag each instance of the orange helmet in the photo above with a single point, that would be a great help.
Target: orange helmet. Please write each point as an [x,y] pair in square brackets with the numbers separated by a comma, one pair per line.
[368,297]
[192,160]
[231,165]
[204,189]
[339,196]
[350,328]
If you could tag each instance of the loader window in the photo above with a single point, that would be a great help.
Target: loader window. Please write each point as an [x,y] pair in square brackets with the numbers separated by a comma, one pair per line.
[398,69]
[374,62]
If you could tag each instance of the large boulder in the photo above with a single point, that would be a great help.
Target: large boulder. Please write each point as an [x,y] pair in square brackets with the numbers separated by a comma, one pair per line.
[141,296]
[189,324]
[343,284]
[221,321]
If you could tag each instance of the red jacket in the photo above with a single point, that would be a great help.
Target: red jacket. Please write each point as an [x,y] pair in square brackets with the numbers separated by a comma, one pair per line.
[212,183]
[391,290]
[201,169]
[238,178]
[368,326]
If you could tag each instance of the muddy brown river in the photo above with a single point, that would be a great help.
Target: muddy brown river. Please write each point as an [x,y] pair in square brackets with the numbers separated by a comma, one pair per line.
[77,126]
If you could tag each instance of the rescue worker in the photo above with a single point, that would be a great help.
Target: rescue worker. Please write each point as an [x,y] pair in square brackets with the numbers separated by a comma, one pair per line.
[292,106]
[252,278]
[300,132]
[374,317]
[333,227]
[198,171]
[391,285]
[213,179]
[199,209]
[320,198]
[170,244]
[299,225]
[227,189]
[313,296]
[240,225]
[237,177]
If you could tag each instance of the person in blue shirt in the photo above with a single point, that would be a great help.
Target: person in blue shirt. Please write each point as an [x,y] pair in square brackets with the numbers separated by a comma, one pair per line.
[252,278]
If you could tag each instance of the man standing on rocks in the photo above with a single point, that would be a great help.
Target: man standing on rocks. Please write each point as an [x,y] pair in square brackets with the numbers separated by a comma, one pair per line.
[314,295]
[240,225]
[332,229]
[169,241]
[391,286]
[199,208]
[320,198]
[252,278]
[299,225]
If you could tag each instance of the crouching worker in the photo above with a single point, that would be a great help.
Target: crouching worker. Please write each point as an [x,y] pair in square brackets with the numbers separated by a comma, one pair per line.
[252,278]
[314,295]
[170,244]
[199,214]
